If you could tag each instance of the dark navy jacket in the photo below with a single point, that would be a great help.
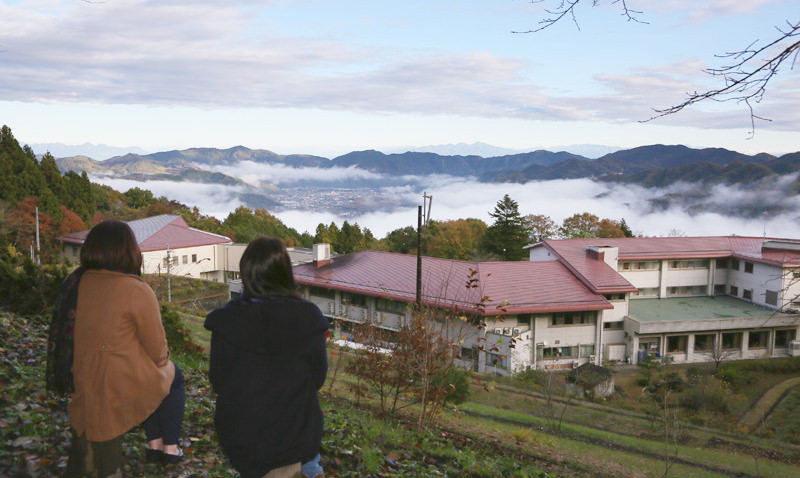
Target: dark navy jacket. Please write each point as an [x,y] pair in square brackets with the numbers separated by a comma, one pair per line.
[268,361]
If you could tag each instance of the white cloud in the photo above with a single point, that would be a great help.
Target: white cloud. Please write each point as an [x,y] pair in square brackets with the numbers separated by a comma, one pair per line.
[257,174]
[457,198]
[211,199]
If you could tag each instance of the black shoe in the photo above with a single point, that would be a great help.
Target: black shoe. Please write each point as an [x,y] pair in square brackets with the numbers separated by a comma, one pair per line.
[152,456]
[170,459]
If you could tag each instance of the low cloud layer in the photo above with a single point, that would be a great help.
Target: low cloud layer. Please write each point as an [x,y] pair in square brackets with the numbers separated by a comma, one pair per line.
[455,198]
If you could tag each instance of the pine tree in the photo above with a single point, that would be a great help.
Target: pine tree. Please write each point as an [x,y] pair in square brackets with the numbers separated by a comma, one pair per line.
[509,234]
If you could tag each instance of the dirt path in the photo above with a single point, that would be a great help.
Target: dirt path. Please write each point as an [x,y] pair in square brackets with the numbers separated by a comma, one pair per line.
[753,418]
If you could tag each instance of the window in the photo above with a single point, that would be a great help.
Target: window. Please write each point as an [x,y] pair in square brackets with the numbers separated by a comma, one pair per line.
[783,337]
[585,350]
[796,275]
[646,292]
[732,340]
[639,266]
[771,297]
[677,344]
[695,264]
[719,289]
[322,292]
[722,263]
[734,291]
[165,262]
[615,297]
[747,294]
[704,342]
[748,267]
[650,344]
[185,259]
[571,318]
[74,250]
[354,299]
[194,258]
[391,306]
[232,275]
[613,325]
[175,260]
[734,264]
[469,354]
[496,360]
[757,340]
[687,290]
[559,352]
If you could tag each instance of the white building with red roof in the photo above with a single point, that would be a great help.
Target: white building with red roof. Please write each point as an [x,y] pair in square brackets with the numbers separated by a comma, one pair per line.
[689,298]
[585,300]
[167,241]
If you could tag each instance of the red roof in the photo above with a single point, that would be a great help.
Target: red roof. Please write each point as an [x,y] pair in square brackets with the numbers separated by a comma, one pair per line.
[160,233]
[511,287]
[601,278]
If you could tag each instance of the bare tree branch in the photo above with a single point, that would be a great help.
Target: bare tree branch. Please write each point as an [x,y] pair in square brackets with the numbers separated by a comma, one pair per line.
[746,79]
[566,8]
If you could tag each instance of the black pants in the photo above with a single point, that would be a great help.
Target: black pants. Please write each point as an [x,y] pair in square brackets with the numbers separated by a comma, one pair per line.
[166,421]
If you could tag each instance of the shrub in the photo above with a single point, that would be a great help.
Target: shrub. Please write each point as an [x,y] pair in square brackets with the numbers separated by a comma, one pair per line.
[178,338]
[29,289]
[735,376]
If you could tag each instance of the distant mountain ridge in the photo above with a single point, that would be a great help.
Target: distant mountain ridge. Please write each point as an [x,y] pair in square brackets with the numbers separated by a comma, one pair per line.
[648,166]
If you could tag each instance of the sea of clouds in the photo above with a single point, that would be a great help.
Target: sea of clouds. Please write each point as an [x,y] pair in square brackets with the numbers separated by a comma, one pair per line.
[455,198]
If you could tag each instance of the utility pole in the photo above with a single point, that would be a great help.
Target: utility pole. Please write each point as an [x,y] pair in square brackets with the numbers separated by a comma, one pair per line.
[419,256]
[38,250]
[169,279]
[421,211]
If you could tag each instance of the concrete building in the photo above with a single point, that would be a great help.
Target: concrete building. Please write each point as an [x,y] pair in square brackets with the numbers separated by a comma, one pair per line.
[583,300]
[693,298]
[167,242]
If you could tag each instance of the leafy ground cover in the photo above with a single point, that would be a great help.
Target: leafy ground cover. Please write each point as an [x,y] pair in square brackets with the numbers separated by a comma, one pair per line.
[34,432]
[500,433]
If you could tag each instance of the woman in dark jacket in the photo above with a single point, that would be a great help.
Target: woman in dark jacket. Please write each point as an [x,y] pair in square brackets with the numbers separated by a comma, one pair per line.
[268,361]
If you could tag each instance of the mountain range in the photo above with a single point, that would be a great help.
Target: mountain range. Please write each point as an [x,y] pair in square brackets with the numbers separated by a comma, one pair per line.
[648,166]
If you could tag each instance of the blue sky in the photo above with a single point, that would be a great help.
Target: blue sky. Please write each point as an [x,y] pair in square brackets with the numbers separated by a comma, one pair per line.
[327,77]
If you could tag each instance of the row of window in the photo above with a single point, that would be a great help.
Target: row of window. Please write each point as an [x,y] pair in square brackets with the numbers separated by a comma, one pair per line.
[572,318]
[358,300]
[733,264]
[177,260]
[729,341]
[572,351]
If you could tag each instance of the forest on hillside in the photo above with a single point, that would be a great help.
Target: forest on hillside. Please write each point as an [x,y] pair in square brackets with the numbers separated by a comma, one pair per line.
[35,194]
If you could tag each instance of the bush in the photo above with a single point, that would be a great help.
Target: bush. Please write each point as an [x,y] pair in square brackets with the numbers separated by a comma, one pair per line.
[709,397]
[736,377]
[29,289]
[179,340]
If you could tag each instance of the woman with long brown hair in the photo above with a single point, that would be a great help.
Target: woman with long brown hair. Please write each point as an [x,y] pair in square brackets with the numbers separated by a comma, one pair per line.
[108,349]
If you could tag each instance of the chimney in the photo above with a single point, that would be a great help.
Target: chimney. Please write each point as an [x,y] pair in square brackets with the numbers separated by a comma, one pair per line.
[321,254]
[595,253]
[607,254]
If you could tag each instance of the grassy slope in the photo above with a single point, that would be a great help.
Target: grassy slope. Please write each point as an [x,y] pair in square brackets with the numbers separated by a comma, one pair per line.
[503,436]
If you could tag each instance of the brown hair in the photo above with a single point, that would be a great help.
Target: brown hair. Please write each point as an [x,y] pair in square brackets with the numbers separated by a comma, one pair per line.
[266,269]
[112,245]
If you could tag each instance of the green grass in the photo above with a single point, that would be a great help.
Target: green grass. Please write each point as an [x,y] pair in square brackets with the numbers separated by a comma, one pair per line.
[784,422]
[732,462]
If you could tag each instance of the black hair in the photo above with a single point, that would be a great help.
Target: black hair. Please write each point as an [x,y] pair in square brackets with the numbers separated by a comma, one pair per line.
[266,269]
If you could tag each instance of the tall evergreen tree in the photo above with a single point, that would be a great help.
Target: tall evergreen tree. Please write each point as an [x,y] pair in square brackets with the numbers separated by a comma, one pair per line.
[509,234]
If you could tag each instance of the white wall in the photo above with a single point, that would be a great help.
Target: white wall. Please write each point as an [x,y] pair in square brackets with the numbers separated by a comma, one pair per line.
[540,253]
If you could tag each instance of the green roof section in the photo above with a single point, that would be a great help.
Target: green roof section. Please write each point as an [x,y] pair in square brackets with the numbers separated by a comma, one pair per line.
[694,308]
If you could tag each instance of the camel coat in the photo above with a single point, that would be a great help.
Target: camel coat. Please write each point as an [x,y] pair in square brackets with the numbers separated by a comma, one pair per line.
[121,362]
